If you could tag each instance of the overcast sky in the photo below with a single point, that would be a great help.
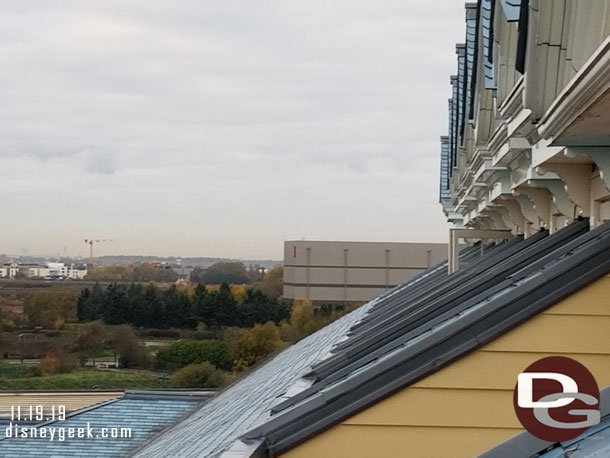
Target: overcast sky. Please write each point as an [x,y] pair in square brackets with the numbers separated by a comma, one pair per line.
[221,128]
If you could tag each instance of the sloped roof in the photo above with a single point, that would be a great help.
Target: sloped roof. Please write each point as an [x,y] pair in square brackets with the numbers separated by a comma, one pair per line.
[146,413]
[402,341]
[217,425]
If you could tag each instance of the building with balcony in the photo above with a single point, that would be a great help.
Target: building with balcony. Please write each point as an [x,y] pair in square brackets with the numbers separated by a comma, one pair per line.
[528,144]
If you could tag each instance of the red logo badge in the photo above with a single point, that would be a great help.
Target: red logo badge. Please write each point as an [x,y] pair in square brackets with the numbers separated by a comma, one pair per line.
[557,399]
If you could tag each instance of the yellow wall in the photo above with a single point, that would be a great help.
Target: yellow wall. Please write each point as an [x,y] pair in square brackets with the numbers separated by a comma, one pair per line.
[467,408]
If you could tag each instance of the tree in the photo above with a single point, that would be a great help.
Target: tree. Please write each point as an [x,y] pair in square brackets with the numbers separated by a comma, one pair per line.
[46,309]
[185,352]
[137,305]
[91,339]
[221,272]
[90,303]
[302,323]
[58,361]
[226,307]
[254,345]
[272,284]
[137,272]
[258,308]
[116,306]
[178,307]
[202,375]
[127,345]
[154,316]
[203,307]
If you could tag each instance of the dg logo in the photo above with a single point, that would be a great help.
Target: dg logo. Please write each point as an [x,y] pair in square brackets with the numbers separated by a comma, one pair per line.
[557,399]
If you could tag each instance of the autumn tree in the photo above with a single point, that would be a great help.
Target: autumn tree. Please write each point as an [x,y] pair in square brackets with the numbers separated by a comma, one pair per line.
[91,339]
[47,309]
[253,345]
[131,353]
[272,284]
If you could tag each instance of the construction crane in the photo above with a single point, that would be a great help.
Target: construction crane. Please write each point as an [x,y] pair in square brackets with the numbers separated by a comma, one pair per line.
[91,242]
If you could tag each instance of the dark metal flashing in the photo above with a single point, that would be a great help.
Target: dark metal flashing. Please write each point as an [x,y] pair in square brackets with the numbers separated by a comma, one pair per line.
[556,271]
[524,445]
[522,37]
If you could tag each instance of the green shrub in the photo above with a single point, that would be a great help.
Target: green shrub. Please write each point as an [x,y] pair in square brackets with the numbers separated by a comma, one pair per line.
[187,352]
[202,375]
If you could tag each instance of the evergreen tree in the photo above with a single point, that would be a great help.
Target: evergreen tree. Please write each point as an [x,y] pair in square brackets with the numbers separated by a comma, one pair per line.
[154,316]
[83,305]
[97,300]
[178,307]
[137,306]
[209,310]
[258,308]
[226,307]
[90,303]
[199,301]
[116,304]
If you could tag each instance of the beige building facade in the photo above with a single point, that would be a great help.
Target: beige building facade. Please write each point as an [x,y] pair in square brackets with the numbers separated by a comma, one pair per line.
[353,271]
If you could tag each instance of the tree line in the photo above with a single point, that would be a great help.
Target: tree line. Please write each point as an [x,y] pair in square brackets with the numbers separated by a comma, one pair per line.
[177,307]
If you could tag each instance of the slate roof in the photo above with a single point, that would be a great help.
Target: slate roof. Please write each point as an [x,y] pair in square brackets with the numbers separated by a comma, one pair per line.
[146,413]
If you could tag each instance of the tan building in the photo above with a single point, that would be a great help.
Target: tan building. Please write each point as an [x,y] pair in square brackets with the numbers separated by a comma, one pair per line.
[353,271]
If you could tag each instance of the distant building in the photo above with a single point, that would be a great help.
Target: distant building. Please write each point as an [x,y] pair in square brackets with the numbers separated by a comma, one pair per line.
[49,271]
[183,272]
[353,271]
[9,270]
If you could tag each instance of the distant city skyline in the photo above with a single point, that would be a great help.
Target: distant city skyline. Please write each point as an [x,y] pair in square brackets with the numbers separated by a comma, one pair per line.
[217,129]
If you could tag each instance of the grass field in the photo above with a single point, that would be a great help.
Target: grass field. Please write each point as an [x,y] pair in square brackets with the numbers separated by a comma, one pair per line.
[85,380]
